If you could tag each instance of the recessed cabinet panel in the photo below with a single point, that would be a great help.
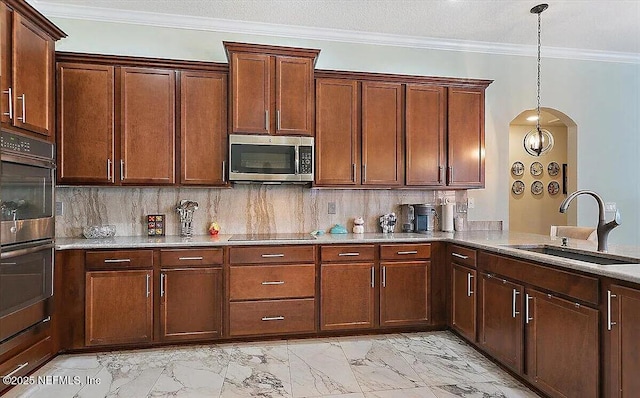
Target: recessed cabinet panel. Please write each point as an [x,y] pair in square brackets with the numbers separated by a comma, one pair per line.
[6,18]
[622,330]
[466,138]
[463,316]
[251,93]
[404,293]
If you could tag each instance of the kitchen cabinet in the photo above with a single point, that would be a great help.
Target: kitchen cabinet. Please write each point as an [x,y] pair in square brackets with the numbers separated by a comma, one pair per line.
[562,342]
[27,58]
[190,294]
[405,285]
[465,134]
[272,290]
[86,131]
[425,128]
[347,287]
[622,336]
[382,134]
[118,307]
[271,89]
[501,328]
[463,291]
[203,128]
[337,132]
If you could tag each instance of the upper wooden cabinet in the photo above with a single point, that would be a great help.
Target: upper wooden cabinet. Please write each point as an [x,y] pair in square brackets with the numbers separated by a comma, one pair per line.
[465,133]
[27,69]
[271,89]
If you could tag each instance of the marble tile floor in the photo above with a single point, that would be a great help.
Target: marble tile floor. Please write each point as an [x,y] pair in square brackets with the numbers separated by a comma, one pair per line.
[411,365]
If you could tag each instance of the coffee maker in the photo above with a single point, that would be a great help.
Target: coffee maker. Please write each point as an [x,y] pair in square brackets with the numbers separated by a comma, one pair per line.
[420,218]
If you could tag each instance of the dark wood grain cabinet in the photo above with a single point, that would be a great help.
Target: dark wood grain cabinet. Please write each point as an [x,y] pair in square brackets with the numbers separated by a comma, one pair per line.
[622,336]
[28,72]
[271,89]
[404,293]
[463,290]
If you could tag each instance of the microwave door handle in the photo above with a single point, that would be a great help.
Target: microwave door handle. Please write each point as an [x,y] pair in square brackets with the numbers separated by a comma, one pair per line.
[297,160]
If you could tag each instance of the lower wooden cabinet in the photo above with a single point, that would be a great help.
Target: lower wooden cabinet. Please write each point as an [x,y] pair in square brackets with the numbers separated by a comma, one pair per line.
[347,296]
[463,301]
[562,343]
[118,307]
[622,334]
[190,303]
[26,361]
[501,327]
[404,293]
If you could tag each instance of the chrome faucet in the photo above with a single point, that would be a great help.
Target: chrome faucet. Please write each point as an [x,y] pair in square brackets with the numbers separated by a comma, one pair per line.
[603,228]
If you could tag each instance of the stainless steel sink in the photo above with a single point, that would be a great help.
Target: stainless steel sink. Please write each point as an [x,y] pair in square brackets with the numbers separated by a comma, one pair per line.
[573,254]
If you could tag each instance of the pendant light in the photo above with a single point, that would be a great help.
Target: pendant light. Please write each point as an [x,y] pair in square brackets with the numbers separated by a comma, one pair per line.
[538,141]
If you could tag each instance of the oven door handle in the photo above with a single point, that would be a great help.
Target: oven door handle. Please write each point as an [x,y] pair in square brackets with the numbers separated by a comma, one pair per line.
[28,160]
[22,252]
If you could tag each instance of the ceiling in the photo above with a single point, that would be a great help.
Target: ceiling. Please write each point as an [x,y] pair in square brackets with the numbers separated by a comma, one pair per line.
[610,26]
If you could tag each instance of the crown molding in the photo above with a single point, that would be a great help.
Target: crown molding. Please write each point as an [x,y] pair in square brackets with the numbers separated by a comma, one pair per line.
[57,10]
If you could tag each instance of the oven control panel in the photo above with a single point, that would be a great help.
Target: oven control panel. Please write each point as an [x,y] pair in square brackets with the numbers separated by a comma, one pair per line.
[26,145]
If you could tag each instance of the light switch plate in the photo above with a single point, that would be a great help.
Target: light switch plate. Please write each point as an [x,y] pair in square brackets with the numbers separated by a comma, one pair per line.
[331,209]
[471,203]
[59,208]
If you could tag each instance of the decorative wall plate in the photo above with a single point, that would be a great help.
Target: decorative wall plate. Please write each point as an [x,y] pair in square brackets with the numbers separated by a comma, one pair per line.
[517,169]
[553,188]
[537,187]
[553,169]
[517,187]
[536,169]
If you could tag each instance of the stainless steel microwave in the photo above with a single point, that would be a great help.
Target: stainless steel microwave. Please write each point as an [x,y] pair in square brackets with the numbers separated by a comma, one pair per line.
[270,159]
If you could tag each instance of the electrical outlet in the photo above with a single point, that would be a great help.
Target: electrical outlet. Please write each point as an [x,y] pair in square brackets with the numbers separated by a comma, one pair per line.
[471,203]
[331,209]
[610,206]
[59,209]
[461,207]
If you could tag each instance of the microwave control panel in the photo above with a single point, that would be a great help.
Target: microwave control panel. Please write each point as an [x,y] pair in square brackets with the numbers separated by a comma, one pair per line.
[306,159]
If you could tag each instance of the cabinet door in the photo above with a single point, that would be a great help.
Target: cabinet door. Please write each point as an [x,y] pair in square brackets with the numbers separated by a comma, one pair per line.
[337,132]
[250,93]
[203,128]
[624,342]
[463,301]
[33,57]
[562,346]
[294,96]
[118,307]
[6,106]
[147,126]
[404,293]
[501,329]
[381,134]
[466,138]
[347,293]
[85,123]
[191,303]
[424,135]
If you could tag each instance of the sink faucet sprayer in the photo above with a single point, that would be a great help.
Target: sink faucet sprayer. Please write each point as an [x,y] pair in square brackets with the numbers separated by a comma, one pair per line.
[603,228]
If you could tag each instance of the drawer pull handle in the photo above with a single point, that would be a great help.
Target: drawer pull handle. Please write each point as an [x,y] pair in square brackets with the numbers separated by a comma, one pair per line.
[273,283]
[272,255]
[460,256]
[273,318]
[408,252]
[190,258]
[16,370]
[348,254]
[117,260]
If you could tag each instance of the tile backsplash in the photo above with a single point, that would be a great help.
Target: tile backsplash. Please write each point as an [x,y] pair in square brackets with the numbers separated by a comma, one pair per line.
[239,210]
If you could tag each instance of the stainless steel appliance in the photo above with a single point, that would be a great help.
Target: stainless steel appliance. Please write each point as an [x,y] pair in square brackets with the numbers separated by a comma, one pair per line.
[271,159]
[27,183]
[420,218]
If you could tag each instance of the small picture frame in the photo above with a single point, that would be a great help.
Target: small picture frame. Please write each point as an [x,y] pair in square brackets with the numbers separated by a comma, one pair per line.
[155,224]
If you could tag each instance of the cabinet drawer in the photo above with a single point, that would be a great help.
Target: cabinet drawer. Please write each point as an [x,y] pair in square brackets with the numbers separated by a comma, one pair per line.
[462,255]
[272,254]
[119,259]
[272,281]
[271,317]
[405,252]
[347,253]
[27,360]
[189,257]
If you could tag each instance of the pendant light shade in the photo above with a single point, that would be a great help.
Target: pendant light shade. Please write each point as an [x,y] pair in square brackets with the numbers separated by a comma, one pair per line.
[538,141]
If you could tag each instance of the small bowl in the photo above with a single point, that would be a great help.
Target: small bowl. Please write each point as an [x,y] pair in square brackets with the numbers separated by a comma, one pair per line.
[99,231]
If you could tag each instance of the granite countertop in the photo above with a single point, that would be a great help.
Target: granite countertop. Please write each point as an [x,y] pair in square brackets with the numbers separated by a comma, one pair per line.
[494,241]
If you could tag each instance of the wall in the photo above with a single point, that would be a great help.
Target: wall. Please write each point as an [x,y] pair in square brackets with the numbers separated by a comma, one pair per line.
[536,213]
[242,209]
[602,98]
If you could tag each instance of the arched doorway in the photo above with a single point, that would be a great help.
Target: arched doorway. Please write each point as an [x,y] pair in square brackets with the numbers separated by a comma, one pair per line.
[533,202]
